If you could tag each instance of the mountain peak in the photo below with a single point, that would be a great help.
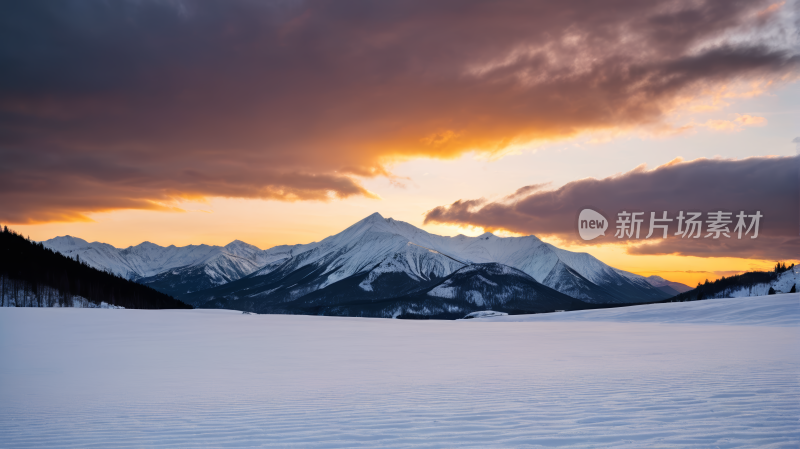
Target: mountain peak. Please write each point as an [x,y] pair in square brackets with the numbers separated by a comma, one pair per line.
[239,247]
[370,221]
[655,278]
[65,241]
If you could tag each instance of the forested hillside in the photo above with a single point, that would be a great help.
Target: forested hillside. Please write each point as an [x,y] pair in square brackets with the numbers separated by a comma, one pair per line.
[754,283]
[34,276]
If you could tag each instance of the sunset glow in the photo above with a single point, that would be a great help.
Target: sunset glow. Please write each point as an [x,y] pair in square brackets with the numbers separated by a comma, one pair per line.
[348,111]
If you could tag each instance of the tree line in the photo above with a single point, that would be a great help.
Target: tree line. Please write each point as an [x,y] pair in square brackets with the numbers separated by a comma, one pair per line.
[712,289]
[34,276]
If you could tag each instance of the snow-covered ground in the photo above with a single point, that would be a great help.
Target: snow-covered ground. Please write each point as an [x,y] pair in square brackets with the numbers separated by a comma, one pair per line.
[772,310]
[717,373]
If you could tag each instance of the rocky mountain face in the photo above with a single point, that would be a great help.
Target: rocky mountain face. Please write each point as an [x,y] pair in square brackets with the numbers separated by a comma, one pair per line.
[476,287]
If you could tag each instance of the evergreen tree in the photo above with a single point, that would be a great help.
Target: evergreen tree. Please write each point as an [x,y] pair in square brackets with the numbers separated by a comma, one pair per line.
[781,267]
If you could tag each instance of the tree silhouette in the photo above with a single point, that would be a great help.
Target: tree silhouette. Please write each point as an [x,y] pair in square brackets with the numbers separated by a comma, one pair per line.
[34,276]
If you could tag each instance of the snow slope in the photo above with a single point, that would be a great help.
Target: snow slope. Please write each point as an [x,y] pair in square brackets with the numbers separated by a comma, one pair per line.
[772,310]
[784,283]
[216,378]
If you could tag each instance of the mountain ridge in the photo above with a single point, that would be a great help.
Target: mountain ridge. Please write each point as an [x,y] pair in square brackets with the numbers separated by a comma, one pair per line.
[372,251]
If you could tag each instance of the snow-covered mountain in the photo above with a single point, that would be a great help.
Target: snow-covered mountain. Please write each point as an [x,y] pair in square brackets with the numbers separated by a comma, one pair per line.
[378,258]
[375,259]
[172,270]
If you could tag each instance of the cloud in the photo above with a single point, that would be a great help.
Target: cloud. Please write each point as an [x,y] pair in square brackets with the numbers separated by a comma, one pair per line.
[721,125]
[765,184]
[749,120]
[522,192]
[736,124]
[137,104]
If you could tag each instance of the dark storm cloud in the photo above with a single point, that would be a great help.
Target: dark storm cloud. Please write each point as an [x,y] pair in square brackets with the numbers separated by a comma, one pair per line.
[767,185]
[132,104]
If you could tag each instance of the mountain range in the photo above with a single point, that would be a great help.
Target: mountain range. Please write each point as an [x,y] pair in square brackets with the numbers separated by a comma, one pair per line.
[172,270]
[376,267]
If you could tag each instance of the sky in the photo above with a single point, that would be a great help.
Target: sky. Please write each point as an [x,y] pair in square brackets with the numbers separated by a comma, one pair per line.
[188,122]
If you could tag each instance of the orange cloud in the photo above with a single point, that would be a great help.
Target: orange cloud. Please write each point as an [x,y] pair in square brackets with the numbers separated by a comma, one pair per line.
[135,105]
[749,120]
[736,124]
[721,125]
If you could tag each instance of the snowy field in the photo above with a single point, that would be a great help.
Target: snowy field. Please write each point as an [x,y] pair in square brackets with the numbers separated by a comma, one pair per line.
[711,374]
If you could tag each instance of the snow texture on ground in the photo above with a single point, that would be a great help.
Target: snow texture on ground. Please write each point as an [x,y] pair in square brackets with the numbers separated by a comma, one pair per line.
[215,378]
